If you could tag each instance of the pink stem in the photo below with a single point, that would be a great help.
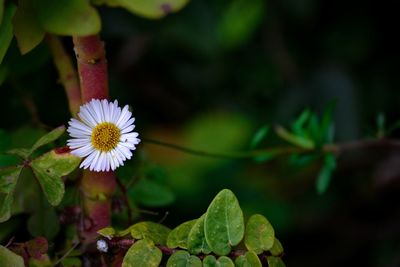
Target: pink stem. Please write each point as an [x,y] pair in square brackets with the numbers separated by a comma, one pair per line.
[97,187]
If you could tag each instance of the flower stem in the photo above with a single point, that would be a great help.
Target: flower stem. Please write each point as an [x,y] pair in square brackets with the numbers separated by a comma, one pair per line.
[97,187]
[67,73]
[92,67]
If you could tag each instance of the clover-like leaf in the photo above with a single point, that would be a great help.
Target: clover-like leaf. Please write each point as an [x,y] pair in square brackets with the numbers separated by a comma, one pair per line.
[27,29]
[8,181]
[196,241]
[49,170]
[107,232]
[277,248]
[223,261]
[9,258]
[67,17]
[44,221]
[223,223]
[142,253]
[183,259]
[250,259]
[259,235]
[178,237]
[156,232]
[275,262]
[152,9]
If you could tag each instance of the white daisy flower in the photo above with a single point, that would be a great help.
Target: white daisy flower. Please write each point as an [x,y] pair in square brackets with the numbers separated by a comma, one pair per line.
[104,135]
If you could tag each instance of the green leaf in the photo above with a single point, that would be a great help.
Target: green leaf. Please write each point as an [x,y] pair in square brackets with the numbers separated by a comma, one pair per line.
[20,152]
[223,261]
[239,22]
[49,169]
[250,259]
[298,125]
[10,259]
[1,10]
[156,232]
[259,235]
[142,253]
[183,259]
[27,29]
[275,262]
[6,30]
[277,248]
[152,9]
[196,241]
[8,181]
[68,17]
[325,174]
[152,194]
[44,222]
[178,237]
[223,224]
[49,137]
[259,136]
[71,262]
[294,139]
[107,232]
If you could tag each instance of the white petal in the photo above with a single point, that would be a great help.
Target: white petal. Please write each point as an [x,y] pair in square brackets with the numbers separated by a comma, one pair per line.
[74,123]
[94,161]
[106,110]
[83,151]
[123,118]
[86,117]
[128,123]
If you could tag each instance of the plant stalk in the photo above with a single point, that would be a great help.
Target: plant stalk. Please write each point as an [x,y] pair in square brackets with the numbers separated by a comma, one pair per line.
[97,187]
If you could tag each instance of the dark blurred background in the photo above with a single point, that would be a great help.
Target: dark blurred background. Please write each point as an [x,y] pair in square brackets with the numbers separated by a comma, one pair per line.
[209,77]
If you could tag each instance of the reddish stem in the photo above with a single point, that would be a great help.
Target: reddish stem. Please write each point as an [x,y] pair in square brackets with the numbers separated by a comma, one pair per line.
[92,67]
[97,187]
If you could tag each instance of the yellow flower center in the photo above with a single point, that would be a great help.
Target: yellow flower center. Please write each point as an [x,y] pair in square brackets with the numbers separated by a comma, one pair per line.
[105,136]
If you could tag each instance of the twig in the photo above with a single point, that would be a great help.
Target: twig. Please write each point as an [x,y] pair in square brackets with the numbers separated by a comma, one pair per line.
[125,198]
[66,254]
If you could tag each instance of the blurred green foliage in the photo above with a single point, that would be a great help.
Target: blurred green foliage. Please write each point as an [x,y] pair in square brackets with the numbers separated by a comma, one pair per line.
[211,77]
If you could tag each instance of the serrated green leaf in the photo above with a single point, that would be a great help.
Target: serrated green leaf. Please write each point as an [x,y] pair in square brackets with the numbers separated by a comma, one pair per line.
[250,259]
[239,21]
[152,9]
[178,237]
[151,193]
[49,137]
[223,224]
[107,232]
[68,17]
[259,136]
[277,248]
[27,30]
[44,222]
[10,259]
[183,259]
[259,235]
[325,174]
[223,261]
[156,232]
[275,262]
[6,30]
[196,241]
[49,169]
[8,181]
[142,253]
